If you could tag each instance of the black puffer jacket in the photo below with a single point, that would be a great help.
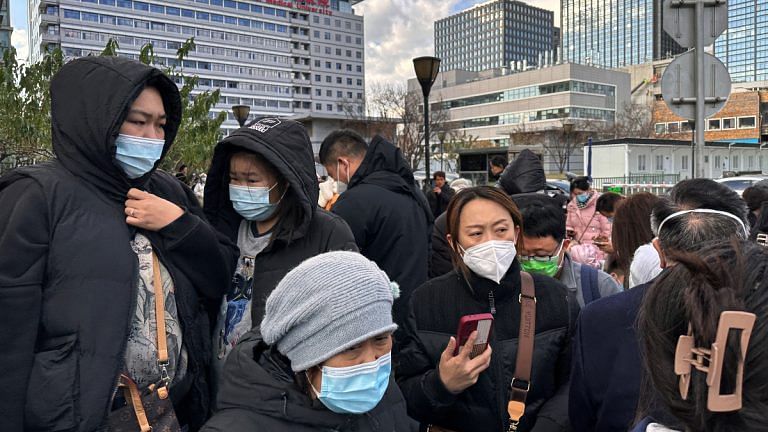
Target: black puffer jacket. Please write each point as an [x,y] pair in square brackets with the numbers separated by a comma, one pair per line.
[435,311]
[302,234]
[524,174]
[68,274]
[390,218]
[259,393]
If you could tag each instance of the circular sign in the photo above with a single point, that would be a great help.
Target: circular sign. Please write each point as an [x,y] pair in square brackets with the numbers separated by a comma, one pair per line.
[679,20]
[678,85]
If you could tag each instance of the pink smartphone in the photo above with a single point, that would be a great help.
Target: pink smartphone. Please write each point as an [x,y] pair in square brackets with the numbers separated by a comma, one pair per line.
[483,323]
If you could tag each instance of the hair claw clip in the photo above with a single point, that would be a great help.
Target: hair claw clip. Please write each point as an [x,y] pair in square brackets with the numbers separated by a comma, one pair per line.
[710,361]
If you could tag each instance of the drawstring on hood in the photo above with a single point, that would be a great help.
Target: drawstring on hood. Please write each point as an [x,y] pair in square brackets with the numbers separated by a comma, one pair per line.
[90,99]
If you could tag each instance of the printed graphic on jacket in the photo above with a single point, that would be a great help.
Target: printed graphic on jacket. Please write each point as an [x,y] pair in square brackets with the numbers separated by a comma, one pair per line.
[236,307]
[141,350]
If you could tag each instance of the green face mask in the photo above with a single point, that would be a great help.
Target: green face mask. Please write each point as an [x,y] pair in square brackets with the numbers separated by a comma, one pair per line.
[547,268]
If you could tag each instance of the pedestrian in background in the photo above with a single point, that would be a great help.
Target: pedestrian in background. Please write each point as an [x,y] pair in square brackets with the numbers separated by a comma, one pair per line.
[389,216]
[262,192]
[632,236]
[545,251]
[321,359]
[440,195]
[687,318]
[456,391]
[585,224]
[88,241]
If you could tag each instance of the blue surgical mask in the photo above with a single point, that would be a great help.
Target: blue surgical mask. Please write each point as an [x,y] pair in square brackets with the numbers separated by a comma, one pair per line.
[355,389]
[252,203]
[582,198]
[136,155]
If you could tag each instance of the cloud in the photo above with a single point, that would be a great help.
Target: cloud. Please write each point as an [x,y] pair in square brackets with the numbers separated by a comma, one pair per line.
[20,41]
[396,31]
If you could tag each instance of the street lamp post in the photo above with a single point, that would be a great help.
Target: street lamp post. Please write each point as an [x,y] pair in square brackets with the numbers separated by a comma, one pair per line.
[241,113]
[426,72]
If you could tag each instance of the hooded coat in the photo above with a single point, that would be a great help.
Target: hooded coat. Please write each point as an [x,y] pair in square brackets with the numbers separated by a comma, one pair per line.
[301,233]
[259,393]
[68,275]
[524,175]
[390,218]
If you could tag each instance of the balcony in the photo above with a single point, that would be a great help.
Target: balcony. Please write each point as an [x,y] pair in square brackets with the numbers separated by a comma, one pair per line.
[49,18]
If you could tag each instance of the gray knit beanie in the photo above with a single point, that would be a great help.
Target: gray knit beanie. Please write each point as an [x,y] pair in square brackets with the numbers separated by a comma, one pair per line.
[327,304]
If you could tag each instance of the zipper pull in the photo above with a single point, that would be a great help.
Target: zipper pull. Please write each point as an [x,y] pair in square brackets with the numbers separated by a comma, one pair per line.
[492,302]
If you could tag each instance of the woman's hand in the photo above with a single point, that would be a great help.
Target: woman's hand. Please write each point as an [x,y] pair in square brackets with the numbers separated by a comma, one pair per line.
[150,212]
[458,373]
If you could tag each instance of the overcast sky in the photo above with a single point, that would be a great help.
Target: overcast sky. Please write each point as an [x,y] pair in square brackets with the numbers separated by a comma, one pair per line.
[396,31]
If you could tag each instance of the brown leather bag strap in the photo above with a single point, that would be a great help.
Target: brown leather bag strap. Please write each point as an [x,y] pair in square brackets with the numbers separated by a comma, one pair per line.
[133,396]
[162,340]
[521,381]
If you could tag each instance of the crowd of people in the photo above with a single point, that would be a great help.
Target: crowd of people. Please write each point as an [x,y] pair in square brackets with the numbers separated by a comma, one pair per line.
[286,303]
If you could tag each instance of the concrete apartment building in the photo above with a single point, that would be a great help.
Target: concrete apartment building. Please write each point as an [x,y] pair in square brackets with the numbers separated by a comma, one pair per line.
[495,34]
[496,106]
[281,58]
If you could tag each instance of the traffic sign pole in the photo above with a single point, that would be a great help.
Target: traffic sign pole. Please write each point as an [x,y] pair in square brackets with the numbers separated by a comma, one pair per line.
[700,90]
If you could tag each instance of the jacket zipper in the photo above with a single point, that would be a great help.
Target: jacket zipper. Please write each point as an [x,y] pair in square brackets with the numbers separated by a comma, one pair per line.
[131,313]
[492,302]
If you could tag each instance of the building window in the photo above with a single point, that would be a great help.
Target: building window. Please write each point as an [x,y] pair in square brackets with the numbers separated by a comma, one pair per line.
[659,163]
[750,162]
[713,124]
[746,122]
[673,127]
[329,107]
[661,128]
[318,107]
[328,79]
[717,162]
[729,123]
[686,126]
[684,162]
[641,160]
[338,80]
[329,93]
[318,92]
[735,162]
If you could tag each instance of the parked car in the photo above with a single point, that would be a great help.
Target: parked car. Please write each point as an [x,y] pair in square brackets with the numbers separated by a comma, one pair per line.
[740,183]
[558,186]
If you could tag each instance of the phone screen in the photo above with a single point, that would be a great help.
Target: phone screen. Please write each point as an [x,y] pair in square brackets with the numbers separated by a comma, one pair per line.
[483,332]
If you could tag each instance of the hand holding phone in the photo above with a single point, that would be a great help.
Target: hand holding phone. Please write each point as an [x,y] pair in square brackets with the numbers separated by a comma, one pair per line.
[459,372]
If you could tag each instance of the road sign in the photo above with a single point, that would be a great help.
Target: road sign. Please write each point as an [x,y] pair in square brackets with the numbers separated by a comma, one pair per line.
[680,20]
[678,85]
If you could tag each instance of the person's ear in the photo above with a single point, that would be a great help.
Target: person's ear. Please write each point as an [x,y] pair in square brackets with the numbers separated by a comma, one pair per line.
[566,244]
[662,256]
[454,247]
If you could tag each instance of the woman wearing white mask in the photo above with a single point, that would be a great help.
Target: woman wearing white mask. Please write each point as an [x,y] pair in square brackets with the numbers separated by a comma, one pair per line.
[262,193]
[321,358]
[462,393]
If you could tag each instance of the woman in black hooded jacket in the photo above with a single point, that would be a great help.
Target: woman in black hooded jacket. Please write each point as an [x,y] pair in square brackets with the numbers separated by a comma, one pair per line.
[262,193]
[77,236]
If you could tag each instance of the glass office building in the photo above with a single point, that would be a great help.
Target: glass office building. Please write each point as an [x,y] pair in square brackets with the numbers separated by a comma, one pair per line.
[493,35]
[614,33]
[5,26]
[281,58]
[744,46]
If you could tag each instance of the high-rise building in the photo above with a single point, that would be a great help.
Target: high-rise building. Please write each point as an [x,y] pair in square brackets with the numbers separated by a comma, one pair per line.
[5,26]
[556,38]
[614,33]
[283,58]
[494,34]
[744,46]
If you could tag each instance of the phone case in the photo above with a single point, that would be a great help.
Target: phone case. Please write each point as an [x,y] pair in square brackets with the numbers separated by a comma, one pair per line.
[483,323]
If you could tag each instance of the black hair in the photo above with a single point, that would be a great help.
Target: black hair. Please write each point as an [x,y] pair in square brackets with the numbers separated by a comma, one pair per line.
[499,161]
[606,202]
[687,232]
[724,276]
[543,220]
[438,174]
[582,183]
[343,142]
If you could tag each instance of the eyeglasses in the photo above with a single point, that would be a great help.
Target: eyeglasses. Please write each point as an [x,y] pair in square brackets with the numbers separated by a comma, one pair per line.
[550,258]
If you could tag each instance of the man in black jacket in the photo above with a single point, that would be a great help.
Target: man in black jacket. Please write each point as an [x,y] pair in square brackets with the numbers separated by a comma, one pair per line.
[76,292]
[440,195]
[388,215]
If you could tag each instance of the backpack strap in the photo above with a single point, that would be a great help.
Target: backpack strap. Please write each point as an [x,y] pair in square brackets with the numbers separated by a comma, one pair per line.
[521,381]
[590,287]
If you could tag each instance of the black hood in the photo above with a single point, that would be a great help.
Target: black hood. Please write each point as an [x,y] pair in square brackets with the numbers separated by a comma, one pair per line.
[90,98]
[384,166]
[525,174]
[286,145]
